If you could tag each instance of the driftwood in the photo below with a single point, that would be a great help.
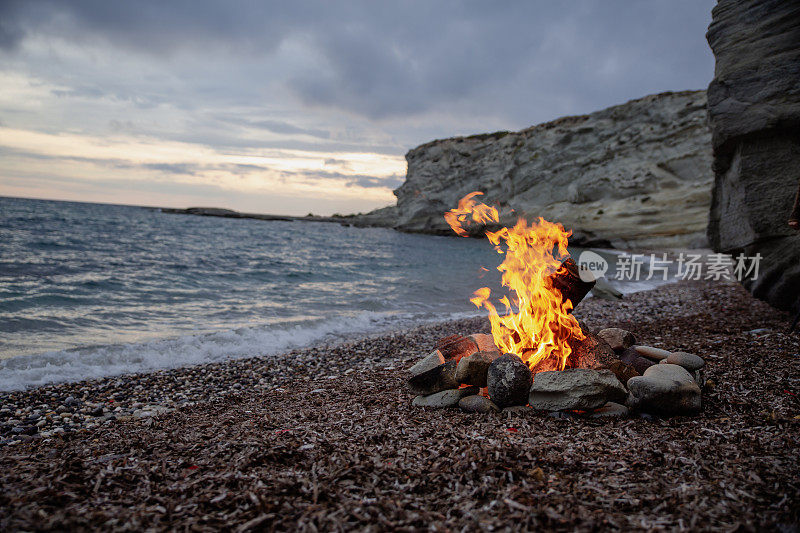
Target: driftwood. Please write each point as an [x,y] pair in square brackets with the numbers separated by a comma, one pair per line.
[568,281]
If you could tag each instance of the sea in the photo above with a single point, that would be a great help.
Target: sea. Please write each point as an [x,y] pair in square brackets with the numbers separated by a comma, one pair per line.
[91,290]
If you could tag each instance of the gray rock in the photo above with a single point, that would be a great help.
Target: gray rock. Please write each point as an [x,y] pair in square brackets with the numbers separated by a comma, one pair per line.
[689,361]
[447,398]
[509,381]
[575,389]
[633,175]
[617,338]
[473,369]
[754,113]
[437,379]
[429,362]
[477,404]
[70,401]
[654,354]
[664,389]
[611,410]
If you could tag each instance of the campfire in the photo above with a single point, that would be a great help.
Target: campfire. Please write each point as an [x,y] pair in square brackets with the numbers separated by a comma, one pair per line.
[538,355]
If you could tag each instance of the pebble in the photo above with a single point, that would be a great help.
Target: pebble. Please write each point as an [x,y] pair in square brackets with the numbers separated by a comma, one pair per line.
[478,404]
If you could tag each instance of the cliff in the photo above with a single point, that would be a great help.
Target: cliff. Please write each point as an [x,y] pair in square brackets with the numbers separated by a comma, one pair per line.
[754,111]
[633,175]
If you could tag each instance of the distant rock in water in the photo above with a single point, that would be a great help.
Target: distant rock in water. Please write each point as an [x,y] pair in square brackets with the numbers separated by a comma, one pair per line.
[633,175]
[754,109]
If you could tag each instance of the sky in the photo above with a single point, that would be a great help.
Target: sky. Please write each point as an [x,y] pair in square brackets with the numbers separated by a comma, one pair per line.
[306,106]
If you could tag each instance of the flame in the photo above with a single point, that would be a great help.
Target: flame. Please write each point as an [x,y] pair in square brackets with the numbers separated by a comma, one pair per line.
[537,324]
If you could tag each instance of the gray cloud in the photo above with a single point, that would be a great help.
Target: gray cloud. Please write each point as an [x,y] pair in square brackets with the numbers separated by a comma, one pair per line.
[345,76]
[383,59]
[279,126]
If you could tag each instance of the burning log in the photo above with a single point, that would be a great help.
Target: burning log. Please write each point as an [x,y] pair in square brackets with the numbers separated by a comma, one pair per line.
[589,352]
[569,283]
[456,347]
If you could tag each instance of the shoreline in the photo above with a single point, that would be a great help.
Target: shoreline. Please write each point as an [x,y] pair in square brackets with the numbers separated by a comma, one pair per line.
[327,437]
[99,401]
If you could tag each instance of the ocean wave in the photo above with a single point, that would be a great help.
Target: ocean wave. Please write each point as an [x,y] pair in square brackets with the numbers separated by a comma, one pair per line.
[80,364]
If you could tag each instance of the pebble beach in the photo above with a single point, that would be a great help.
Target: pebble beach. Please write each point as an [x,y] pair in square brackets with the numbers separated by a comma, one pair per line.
[327,438]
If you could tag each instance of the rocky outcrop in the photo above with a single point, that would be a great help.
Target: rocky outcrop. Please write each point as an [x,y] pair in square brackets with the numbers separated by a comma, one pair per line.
[637,174]
[754,111]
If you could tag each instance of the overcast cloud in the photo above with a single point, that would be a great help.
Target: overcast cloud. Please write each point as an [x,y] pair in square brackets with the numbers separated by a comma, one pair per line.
[246,104]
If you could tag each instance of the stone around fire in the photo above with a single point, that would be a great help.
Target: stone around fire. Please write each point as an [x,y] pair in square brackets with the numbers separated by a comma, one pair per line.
[429,362]
[443,399]
[575,389]
[437,379]
[473,369]
[509,381]
[611,410]
[664,389]
[689,361]
[655,354]
[617,338]
[632,357]
[478,404]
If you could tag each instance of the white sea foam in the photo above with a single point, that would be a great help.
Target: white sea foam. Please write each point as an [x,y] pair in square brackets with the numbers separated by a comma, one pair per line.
[90,363]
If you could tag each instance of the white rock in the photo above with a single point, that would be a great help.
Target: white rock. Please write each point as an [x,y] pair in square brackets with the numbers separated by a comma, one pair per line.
[596,174]
[473,369]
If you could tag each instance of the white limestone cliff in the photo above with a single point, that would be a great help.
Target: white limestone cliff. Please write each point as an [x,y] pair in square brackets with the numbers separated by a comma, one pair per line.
[633,175]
